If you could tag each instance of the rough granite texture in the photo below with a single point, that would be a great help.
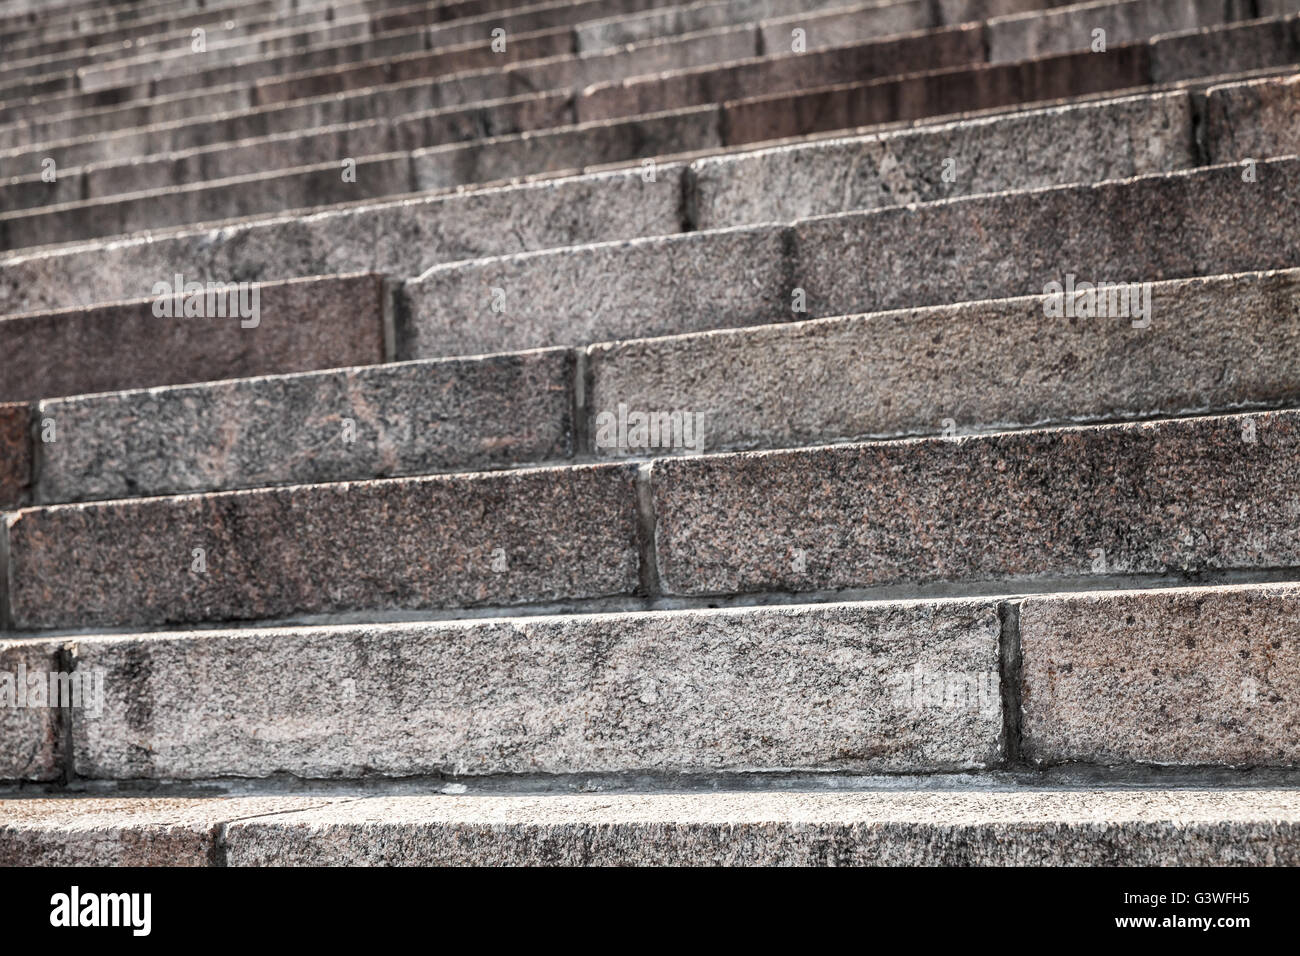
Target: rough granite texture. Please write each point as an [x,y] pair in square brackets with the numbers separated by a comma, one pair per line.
[579,295]
[408,418]
[302,324]
[569,148]
[29,736]
[1163,497]
[1132,136]
[1225,50]
[919,370]
[1162,677]
[931,828]
[168,123]
[398,544]
[950,46]
[1063,31]
[15,454]
[1202,222]
[795,688]
[401,238]
[942,92]
[1253,120]
[127,831]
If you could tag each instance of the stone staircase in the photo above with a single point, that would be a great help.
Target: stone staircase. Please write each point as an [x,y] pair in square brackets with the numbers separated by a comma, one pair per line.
[626,431]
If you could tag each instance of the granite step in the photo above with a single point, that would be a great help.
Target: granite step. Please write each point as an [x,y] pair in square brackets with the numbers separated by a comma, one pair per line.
[921,824]
[1041,508]
[1172,677]
[1131,136]
[1210,220]
[930,371]
[382,175]
[560,67]
[831,28]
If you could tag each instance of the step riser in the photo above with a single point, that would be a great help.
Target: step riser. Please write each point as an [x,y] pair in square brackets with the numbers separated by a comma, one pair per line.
[408,419]
[767,690]
[298,327]
[406,544]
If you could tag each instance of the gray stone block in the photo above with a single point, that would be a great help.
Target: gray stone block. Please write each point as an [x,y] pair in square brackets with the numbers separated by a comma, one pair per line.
[579,295]
[837,687]
[404,419]
[1181,496]
[403,544]
[1253,120]
[300,325]
[1197,676]
[1220,51]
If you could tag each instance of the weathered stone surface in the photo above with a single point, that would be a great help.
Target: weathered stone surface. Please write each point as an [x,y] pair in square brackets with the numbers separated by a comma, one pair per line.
[1196,676]
[915,371]
[831,687]
[399,544]
[925,827]
[15,454]
[1063,31]
[305,81]
[783,74]
[1131,136]
[569,148]
[532,17]
[1201,222]
[401,238]
[841,24]
[1163,497]
[941,92]
[404,419]
[1223,50]
[30,746]
[579,295]
[301,325]
[320,185]
[126,831]
[1253,120]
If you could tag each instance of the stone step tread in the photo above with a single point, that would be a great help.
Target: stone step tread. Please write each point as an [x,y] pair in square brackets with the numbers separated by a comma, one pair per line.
[917,826]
